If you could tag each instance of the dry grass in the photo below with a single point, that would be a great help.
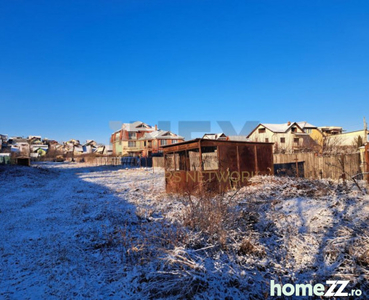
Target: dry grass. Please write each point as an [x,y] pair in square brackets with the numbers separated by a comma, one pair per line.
[209,215]
[182,276]
[233,244]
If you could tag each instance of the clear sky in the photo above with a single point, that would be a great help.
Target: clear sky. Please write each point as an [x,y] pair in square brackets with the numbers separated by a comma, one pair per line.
[67,68]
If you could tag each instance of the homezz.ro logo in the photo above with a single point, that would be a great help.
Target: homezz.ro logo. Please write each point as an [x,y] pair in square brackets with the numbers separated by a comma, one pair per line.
[333,288]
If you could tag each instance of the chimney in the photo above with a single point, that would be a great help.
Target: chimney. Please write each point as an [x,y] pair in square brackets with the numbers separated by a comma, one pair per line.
[288,123]
[156,127]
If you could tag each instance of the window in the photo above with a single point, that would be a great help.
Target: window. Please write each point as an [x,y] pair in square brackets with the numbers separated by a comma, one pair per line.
[131,144]
[176,161]
[163,142]
[131,135]
[261,130]
[266,140]
[296,140]
[293,129]
[144,143]
[194,160]
[283,140]
[174,141]
[169,162]
[209,158]
[308,131]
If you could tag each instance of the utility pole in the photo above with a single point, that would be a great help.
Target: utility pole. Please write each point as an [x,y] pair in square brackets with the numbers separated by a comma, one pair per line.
[366,149]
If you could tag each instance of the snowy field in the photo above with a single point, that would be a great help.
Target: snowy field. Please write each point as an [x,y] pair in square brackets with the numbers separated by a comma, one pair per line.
[68,231]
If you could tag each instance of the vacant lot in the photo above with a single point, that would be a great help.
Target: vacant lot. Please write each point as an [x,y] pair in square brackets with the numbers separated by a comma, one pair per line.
[75,232]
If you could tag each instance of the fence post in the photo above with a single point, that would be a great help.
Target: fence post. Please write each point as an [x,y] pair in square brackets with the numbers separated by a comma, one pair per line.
[297,166]
[343,167]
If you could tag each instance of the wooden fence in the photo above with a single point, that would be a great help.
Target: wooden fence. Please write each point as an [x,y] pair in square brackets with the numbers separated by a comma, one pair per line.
[101,161]
[332,166]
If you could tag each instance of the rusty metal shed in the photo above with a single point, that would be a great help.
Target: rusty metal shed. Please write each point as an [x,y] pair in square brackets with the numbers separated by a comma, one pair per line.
[214,166]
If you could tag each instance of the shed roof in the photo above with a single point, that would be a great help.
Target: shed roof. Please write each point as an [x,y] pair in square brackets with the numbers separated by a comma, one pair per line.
[195,142]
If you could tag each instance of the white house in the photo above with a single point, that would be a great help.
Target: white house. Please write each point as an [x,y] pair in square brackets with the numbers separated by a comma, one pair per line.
[286,137]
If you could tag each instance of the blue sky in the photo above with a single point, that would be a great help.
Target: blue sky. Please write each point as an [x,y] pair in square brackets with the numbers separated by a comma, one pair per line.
[68,68]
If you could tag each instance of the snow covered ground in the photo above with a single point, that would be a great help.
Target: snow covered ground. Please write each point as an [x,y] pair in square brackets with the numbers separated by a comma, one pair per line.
[69,231]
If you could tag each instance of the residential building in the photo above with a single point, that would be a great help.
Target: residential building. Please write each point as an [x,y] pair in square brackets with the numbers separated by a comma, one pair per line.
[93,147]
[316,136]
[108,150]
[140,139]
[351,139]
[125,140]
[19,145]
[40,151]
[330,130]
[337,140]
[53,147]
[34,139]
[3,141]
[90,147]
[72,147]
[153,142]
[287,137]
[104,149]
